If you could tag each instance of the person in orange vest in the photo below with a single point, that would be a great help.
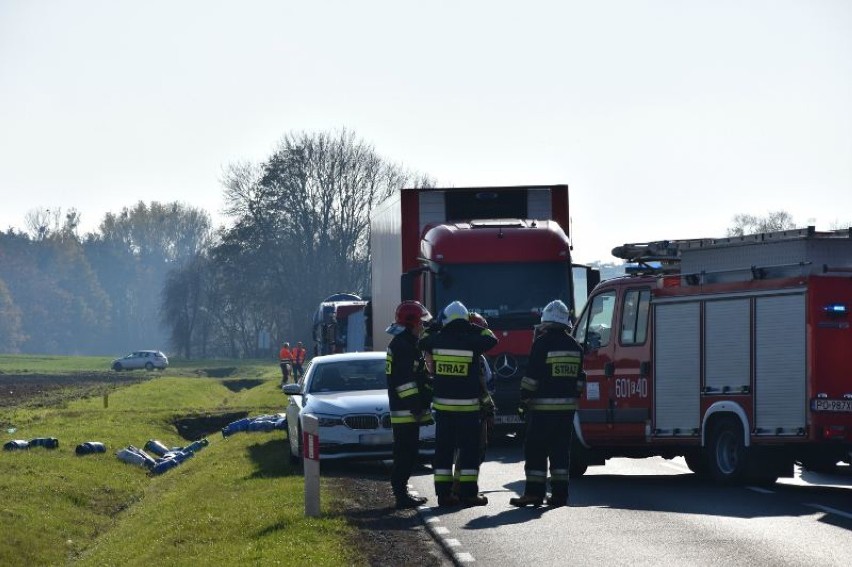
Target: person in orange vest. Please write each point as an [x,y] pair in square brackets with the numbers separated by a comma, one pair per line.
[298,360]
[285,361]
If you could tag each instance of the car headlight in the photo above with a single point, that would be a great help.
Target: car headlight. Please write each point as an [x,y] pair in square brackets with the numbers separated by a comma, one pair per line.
[329,420]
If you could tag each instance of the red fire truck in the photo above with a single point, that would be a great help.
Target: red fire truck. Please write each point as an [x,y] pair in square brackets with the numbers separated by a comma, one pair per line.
[735,353]
[502,251]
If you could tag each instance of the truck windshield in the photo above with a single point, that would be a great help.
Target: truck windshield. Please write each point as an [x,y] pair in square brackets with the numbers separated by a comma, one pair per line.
[509,295]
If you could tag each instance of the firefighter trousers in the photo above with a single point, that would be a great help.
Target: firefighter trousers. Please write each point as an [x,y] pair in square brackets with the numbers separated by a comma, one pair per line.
[457,430]
[406,441]
[548,438]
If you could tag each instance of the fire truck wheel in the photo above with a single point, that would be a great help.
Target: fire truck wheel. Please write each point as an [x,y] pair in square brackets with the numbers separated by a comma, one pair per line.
[577,468]
[820,464]
[726,451]
[578,462]
[697,463]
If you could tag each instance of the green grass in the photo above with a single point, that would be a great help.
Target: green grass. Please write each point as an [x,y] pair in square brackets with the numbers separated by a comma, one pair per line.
[46,364]
[237,502]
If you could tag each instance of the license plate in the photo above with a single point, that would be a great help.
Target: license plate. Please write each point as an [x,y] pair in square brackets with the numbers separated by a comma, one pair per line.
[503,419]
[376,438]
[831,405]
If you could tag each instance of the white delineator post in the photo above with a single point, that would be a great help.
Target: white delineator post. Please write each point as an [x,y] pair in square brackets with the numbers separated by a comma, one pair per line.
[311,464]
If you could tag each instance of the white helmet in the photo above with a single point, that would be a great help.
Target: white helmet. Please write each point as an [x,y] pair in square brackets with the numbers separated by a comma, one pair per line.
[556,312]
[453,311]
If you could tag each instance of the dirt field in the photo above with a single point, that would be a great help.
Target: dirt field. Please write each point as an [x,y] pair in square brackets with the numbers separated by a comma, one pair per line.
[385,535]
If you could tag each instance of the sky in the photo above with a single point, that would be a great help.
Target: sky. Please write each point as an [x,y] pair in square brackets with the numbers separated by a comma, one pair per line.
[666,118]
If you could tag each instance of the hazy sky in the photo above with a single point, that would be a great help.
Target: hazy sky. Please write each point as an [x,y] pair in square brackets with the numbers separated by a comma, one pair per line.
[666,118]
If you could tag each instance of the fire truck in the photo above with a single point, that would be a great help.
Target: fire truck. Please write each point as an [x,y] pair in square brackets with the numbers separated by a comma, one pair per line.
[339,324]
[734,353]
[502,251]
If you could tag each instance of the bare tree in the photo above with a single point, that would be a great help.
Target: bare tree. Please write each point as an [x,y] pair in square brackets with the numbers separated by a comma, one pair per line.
[41,222]
[304,215]
[751,224]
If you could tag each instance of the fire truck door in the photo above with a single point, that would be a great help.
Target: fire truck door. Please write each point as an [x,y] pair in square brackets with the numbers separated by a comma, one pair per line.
[593,332]
[629,384]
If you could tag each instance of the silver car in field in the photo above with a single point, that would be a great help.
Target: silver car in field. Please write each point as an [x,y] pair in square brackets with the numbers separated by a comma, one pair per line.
[348,394]
[147,359]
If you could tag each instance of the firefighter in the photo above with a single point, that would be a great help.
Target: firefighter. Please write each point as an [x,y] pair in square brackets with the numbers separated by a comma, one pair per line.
[549,393]
[453,353]
[298,360]
[285,361]
[409,394]
[487,408]
[486,382]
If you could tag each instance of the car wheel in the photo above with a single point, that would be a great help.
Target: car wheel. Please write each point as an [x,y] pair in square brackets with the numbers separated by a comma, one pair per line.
[296,448]
[117,367]
[149,366]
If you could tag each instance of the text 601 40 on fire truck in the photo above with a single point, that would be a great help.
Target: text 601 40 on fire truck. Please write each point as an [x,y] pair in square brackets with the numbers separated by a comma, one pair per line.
[734,353]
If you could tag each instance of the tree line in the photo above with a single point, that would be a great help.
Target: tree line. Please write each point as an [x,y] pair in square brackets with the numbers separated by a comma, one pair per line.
[157,275]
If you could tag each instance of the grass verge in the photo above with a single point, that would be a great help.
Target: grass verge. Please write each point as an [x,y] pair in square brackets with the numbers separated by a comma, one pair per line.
[237,502]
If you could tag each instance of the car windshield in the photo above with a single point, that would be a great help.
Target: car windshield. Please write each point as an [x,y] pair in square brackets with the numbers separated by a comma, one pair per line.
[348,376]
[508,295]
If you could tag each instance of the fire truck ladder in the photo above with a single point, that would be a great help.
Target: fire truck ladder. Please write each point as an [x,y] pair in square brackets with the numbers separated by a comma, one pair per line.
[657,257]
[745,254]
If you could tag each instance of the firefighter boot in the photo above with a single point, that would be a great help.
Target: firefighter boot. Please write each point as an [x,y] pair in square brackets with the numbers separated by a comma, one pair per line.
[478,500]
[448,501]
[409,501]
[557,500]
[526,500]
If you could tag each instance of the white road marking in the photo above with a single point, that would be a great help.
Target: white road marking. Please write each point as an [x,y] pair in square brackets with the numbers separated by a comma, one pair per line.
[465,557]
[452,542]
[441,530]
[761,490]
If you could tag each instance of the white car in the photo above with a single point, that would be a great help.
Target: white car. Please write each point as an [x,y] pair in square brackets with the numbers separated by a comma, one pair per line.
[348,394]
[147,359]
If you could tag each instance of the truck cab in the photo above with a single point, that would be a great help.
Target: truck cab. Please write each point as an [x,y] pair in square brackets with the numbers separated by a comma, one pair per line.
[614,330]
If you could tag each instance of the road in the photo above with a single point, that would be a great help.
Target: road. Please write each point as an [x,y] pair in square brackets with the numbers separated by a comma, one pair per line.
[648,512]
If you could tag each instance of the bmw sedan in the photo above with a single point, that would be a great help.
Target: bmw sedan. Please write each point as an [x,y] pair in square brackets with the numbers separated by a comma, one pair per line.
[348,395]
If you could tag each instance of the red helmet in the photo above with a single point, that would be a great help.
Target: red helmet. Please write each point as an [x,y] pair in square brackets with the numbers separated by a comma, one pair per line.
[409,313]
[478,320]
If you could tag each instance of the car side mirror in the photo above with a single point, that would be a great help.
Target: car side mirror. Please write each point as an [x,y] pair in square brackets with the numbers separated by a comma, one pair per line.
[292,389]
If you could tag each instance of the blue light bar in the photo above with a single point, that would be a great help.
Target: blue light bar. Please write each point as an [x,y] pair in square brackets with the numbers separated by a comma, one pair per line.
[835,309]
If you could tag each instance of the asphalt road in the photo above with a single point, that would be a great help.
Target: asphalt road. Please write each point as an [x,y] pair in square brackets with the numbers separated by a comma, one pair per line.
[648,512]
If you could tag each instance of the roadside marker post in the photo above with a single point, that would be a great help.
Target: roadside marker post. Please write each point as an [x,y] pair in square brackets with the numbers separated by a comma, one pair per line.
[311,464]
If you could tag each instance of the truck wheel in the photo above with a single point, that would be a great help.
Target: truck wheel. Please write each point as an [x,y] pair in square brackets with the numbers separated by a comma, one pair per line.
[577,468]
[820,464]
[726,452]
[697,463]
[577,465]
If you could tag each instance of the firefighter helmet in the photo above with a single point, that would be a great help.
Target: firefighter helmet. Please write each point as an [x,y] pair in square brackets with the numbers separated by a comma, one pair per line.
[478,320]
[453,311]
[556,312]
[410,312]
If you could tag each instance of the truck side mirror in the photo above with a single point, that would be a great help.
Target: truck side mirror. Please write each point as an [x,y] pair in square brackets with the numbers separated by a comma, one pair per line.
[593,278]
